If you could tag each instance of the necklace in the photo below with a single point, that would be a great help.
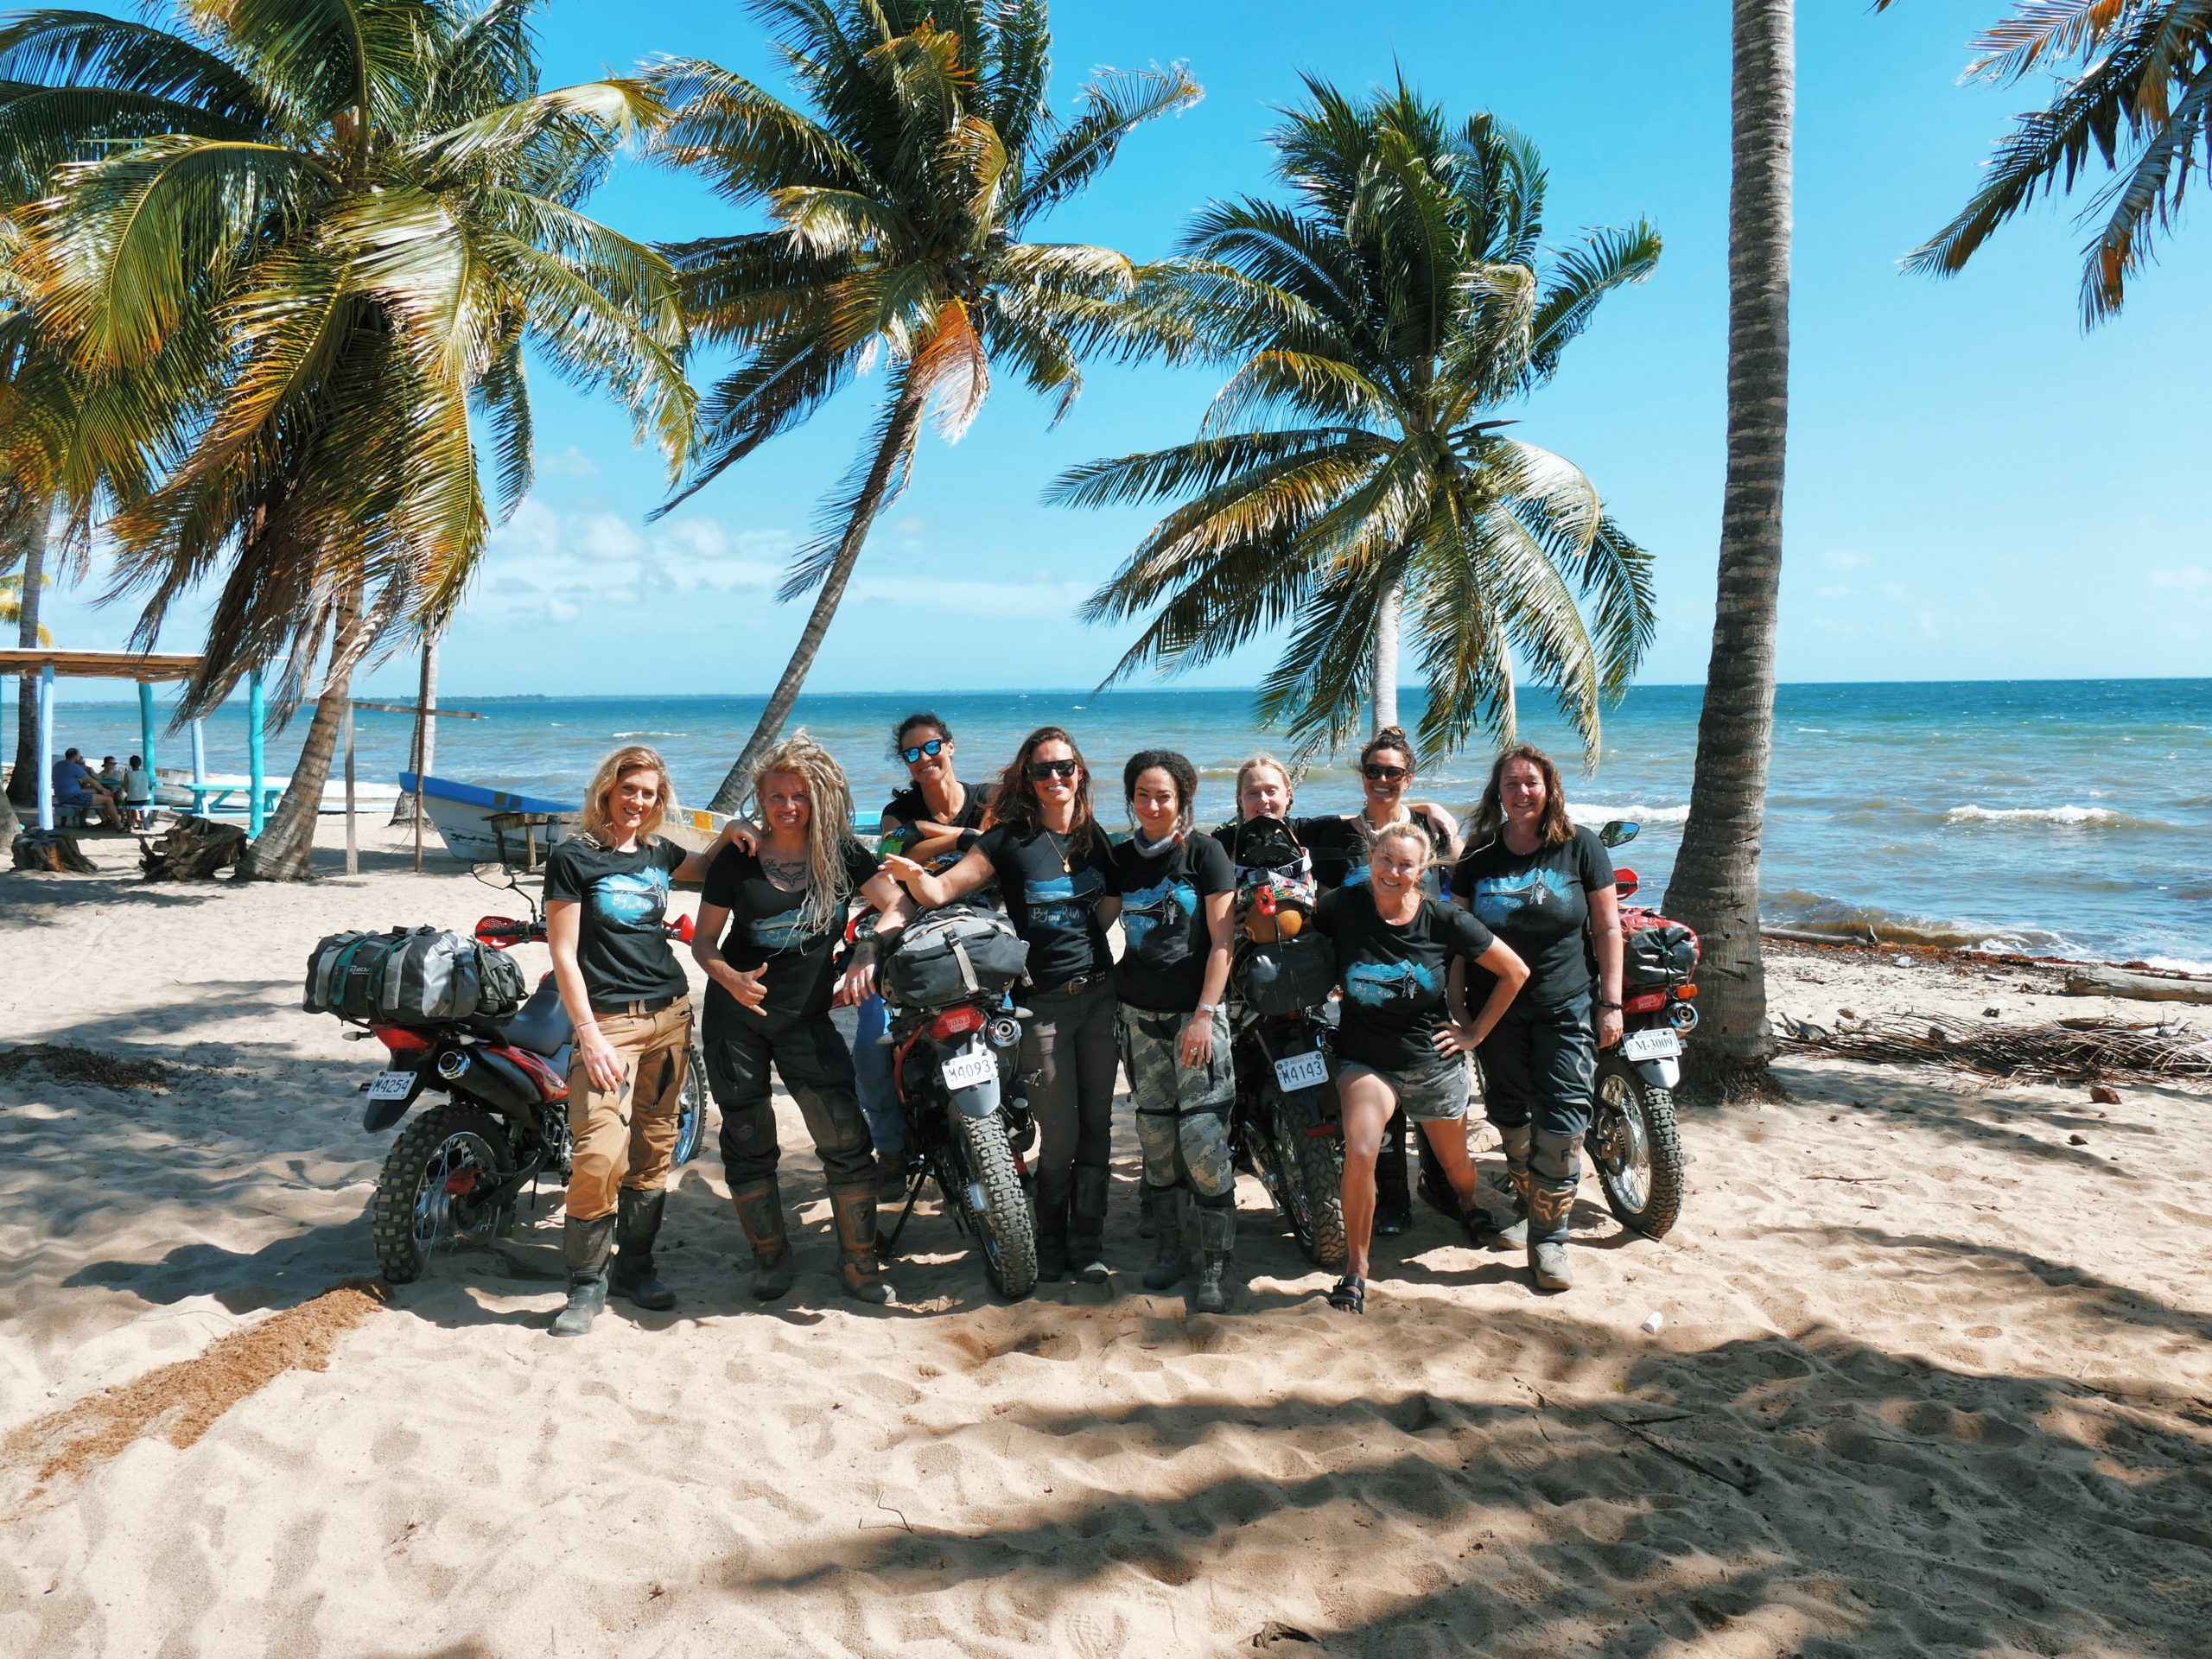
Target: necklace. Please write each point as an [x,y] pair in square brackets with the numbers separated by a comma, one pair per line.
[1059,850]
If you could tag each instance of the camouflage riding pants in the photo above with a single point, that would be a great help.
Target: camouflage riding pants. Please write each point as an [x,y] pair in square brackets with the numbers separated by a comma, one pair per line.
[1182,1110]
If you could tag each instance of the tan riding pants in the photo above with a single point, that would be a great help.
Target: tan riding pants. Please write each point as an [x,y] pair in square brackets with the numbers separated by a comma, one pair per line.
[626,1136]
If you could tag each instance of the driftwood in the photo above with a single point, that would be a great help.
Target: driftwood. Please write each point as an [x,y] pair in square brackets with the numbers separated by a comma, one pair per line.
[2075,1049]
[2091,980]
[51,849]
[192,850]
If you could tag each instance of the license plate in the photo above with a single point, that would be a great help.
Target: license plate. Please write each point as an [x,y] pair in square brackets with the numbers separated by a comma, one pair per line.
[965,1071]
[392,1085]
[1306,1071]
[1657,1042]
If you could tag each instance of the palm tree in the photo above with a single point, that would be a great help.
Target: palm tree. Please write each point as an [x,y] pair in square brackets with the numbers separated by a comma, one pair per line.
[305,242]
[14,608]
[898,197]
[1715,886]
[1352,477]
[2139,94]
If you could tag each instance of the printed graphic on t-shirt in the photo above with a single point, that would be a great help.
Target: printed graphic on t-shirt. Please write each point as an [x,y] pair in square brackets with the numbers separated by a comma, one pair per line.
[780,931]
[634,898]
[1504,901]
[1164,904]
[1064,901]
[1376,984]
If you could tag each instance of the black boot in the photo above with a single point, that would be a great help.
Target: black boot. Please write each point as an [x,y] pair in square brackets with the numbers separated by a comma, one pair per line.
[1216,1239]
[586,1244]
[1148,1208]
[1394,1203]
[1087,1227]
[760,1213]
[1554,1172]
[1514,1236]
[637,1223]
[1166,1204]
[854,1210]
[1051,1198]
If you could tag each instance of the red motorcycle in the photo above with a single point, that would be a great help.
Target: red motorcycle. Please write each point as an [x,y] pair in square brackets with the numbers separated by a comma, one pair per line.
[501,1116]
[1634,1140]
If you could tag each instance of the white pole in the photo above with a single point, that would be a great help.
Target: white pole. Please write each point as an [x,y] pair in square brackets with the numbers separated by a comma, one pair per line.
[353,847]
[46,746]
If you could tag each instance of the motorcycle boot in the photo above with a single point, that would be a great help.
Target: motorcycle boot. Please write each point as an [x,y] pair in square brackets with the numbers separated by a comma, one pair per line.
[586,1245]
[1515,1235]
[1087,1227]
[1218,1242]
[1394,1203]
[760,1213]
[1165,1204]
[637,1223]
[854,1210]
[1054,1186]
[1554,1172]
[1149,1207]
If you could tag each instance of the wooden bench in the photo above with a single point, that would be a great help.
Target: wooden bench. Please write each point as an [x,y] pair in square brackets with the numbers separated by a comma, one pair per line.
[527,825]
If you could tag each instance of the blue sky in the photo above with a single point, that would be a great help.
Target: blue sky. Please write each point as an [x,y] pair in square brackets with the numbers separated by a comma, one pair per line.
[1976,489]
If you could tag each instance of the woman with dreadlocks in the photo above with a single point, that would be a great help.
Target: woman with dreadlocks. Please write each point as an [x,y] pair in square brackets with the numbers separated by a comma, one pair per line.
[770,923]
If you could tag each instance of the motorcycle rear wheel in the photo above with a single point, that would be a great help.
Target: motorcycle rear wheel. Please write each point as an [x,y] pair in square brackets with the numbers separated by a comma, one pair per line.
[1637,1147]
[691,1117]
[1003,1226]
[1312,1201]
[423,1206]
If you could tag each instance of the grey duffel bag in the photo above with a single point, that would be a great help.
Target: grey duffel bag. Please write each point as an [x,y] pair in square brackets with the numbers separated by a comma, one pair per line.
[948,955]
[416,977]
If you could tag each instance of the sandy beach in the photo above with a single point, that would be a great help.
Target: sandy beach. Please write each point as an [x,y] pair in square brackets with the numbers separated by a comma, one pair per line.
[1933,1375]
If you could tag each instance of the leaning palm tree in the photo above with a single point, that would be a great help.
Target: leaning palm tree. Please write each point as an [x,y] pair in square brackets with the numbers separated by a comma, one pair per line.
[1715,885]
[308,246]
[898,201]
[1354,478]
[2136,90]
[14,606]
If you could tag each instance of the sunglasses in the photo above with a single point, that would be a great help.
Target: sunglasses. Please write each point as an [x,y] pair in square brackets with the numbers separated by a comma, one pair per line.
[1040,770]
[1384,774]
[933,748]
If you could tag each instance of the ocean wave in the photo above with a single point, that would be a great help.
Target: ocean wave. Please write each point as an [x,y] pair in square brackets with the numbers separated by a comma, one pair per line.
[2102,817]
[2179,964]
[1819,914]
[1596,812]
[652,733]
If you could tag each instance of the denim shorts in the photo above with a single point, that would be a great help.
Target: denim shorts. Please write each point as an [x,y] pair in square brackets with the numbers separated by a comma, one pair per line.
[1430,1093]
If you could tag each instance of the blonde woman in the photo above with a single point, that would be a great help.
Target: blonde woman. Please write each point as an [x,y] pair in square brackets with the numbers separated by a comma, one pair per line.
[606,898]
[770,924]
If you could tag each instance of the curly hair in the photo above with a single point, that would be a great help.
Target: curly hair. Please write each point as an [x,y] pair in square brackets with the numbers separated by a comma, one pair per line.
[829,824]
[1391,737]
[1489,821]
[919,717]
[1176,765]
[1014,800]
[598,821]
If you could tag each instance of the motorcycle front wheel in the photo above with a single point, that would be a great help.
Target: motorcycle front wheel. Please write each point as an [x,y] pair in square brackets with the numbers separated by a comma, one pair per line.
[691,1117]
[994,1207]
[1638,1149]
[1312,1198]
[428,1199]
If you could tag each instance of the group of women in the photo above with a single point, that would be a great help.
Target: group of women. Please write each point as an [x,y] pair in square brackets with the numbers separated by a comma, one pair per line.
[1504,947]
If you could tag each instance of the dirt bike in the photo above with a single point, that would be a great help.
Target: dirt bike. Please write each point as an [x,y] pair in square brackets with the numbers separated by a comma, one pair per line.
[501,1121]
[1634,1142]
[955,1042]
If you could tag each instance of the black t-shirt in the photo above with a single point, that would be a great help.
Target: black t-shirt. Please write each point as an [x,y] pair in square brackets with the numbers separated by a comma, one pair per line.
[1163,968]
[1051,898]
[623,898]
[1395,979]
[908,808]
[764,931]
[1539,903]
[1267,844]
[1340,847]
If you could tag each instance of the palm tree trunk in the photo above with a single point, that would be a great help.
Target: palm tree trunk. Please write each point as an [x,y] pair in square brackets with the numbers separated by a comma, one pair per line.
[891,457]
[287,842]
[422,753]
[23,523]
[1715,887]
[1388,628]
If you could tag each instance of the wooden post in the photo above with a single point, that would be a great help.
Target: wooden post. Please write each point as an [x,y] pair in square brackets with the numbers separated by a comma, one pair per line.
[256,767]
[353,847]
[46,746]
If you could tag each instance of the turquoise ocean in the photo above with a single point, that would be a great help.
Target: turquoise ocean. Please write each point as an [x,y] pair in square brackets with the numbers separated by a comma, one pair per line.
[2054,817]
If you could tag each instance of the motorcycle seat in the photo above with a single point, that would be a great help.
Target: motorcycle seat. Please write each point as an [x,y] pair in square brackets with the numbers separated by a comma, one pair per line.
[541,1025]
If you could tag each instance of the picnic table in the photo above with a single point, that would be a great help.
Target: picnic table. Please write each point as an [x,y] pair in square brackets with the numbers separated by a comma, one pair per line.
[231,798]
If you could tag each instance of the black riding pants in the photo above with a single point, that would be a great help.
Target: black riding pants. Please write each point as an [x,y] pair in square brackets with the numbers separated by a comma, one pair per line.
[811,1058]
[1539,1067]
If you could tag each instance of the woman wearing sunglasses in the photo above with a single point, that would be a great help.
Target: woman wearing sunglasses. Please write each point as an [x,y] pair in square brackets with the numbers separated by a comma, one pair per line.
[1055,872]
[927,819]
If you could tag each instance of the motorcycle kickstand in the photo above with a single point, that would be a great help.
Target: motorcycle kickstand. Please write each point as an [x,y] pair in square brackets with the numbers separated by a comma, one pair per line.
[886,1243]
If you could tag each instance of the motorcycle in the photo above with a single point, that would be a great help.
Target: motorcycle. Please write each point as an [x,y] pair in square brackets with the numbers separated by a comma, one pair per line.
[955,1046]
[454,1175]
[1635,1143]
[1283,1123]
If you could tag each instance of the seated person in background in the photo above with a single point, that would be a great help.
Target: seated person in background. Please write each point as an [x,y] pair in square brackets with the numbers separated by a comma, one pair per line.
[75,786]
[138,796]
[109,776]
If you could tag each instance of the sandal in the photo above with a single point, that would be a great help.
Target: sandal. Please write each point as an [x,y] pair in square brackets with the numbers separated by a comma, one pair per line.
[1349,1295]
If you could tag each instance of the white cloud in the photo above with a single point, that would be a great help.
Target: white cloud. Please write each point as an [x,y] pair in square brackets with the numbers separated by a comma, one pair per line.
[545,565]
[2189,579]
[571,462]
[1842,558]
